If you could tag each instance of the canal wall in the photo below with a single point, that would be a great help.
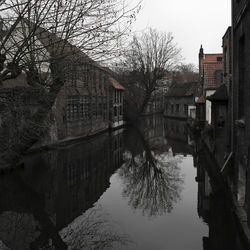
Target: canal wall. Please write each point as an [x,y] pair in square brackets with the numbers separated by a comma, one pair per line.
[222,179]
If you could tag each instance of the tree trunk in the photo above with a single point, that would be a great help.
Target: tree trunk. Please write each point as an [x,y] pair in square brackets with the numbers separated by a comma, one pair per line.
[145,101]
[22,132]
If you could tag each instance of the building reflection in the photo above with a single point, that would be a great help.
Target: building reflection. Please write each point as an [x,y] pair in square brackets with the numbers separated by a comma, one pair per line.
[215,209]
[176,133]
[53,189]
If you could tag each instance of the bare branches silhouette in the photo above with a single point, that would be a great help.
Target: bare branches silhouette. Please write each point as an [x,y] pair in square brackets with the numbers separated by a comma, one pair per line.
[152,181]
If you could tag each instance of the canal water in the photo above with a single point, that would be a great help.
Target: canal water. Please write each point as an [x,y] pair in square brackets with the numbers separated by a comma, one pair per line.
[144,187]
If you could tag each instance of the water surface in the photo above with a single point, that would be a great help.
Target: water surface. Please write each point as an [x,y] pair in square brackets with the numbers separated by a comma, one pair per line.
[141,188]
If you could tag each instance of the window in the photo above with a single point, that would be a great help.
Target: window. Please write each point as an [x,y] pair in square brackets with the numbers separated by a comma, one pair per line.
[84,107]
[219,59]
[120,110]
[94,106]
[72,108]
[166,107]
[172,109]
[185,109]
[99,110]
[218,77]
[78,107]
[115,111]
[242,71]
[177,108]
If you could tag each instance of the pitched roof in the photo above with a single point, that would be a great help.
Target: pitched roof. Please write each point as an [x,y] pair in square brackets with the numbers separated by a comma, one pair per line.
[219,95]
[183,89]
[186,77]
[115,84]
[61,48]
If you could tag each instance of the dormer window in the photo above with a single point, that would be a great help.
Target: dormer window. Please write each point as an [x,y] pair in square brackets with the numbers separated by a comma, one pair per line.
[219,59]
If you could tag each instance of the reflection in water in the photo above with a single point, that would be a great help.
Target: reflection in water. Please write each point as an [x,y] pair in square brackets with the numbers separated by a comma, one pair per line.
[94,230]
[54,201]
[18,230]
[216,211]
[152,180]
[53,189]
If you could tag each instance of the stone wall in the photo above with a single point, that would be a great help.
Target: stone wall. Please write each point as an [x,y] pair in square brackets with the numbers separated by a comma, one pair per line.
[241,100]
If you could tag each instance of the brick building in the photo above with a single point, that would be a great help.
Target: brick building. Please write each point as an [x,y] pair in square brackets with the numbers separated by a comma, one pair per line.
[211,77]
[116,91]
[241,100]
[221,118]
[89,101]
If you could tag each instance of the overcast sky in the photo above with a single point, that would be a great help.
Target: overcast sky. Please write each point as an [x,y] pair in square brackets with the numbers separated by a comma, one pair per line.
[192,23]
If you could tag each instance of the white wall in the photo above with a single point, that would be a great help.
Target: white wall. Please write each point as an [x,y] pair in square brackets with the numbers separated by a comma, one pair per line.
[192,111]
[209,106]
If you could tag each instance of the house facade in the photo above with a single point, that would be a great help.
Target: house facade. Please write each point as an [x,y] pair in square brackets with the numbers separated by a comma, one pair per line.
[241,100]
[221,101]
[211,77]
[86,99]
[180,100]
[116,91]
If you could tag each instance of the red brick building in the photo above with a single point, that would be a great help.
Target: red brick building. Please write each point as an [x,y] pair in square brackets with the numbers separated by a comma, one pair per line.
[210,77]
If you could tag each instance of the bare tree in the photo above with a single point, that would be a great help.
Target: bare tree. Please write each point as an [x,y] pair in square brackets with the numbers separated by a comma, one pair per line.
[150,55]
[187,68]
[95,230]
[41,39]
[94,26]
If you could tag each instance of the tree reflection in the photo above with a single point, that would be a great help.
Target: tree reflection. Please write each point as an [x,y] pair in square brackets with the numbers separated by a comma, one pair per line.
[152,181]
[94,230]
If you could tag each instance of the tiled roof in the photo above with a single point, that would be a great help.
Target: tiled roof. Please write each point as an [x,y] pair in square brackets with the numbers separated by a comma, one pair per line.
[115,84]
[183,89]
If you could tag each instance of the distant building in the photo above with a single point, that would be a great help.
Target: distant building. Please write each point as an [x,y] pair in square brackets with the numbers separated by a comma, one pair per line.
[211,77]
[115,103]
[156,102]
[180,100]
[221,102]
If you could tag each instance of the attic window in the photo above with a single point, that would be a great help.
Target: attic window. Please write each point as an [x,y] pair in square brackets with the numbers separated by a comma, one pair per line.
[219,59]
